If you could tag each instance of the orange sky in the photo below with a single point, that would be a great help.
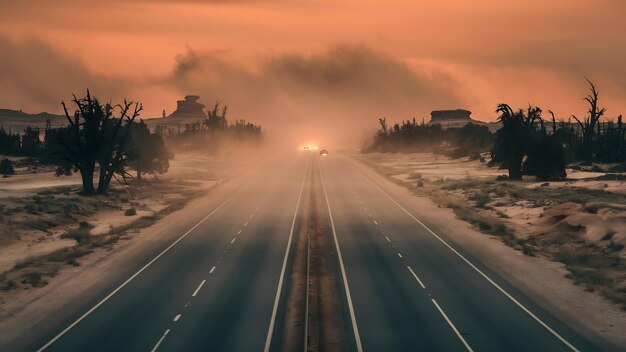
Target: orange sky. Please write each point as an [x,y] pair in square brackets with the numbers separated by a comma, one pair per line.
[331,61]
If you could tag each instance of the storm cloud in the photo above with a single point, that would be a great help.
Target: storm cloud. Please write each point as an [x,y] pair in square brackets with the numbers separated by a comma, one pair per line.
[36,77]
[338,92]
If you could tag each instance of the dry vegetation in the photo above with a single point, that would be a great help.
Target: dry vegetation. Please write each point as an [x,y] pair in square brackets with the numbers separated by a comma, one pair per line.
[580,222]
[44,229]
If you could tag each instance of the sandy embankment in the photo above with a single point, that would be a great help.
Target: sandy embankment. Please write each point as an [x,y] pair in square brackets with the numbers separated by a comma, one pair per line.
[561,243]
[38,210]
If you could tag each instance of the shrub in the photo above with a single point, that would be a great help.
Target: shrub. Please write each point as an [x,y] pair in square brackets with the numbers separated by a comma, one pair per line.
[6,167]
[481,199]
[615,246]
[608,236]
[80,235]
[130,212]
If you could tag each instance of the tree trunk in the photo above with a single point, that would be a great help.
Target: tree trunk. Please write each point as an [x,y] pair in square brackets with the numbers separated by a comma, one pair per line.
[515,170]
[588,143]
[86,173]
[103,185]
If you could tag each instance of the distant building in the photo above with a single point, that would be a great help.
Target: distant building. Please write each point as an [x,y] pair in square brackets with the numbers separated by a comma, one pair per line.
[188,112]
[450,115]
[456,119]
[189,108]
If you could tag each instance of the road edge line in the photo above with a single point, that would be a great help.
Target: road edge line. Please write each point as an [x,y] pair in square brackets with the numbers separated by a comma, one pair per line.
[101,302]
[503,291]
[270,332]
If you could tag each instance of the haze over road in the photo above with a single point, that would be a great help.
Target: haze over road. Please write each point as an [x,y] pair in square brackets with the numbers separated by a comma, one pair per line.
[222,285]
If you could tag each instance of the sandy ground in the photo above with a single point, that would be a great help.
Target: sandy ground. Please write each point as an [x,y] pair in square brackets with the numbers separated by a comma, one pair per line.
[75,287]
[38,209]
[562,239]
[597,205]
[42,270]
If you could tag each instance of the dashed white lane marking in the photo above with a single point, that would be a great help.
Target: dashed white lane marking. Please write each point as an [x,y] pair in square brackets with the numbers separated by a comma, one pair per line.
[399,255]
[251,216]
[160,340]
[416,277]
[198,289]
[387,238]
[92,309]
[480,272]
[375,222]
[233,241]
[177,317]
[212,269]
[452,325]
[246,224]
[187,304]
[239,232]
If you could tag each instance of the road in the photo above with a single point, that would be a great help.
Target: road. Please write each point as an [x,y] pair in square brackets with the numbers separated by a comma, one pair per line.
[221,285]
[413,289]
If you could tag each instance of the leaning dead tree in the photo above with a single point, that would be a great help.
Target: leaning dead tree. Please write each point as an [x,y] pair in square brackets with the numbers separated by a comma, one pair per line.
[589,123]
[96,136]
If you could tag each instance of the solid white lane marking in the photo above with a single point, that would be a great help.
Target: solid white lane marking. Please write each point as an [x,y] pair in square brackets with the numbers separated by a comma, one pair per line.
[416,278]
[399,255]
[375,222]
[452,325]
[198,289]
[92,309]
[177,317]
[387,238]
[233,241]
[357,337]
[520,305]
[160,340]
[270,331]
[212,269]
[239,232]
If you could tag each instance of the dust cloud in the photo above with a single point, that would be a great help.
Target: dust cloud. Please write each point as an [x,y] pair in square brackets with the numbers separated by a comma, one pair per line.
[330,99]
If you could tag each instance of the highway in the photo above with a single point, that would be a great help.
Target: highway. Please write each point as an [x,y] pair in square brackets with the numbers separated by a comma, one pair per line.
[222,284]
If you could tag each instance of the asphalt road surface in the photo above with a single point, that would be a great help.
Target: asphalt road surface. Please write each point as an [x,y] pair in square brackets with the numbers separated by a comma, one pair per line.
[220,286]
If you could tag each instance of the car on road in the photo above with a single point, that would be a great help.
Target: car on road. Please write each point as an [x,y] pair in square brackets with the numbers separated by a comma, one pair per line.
[306,149]
[323,152]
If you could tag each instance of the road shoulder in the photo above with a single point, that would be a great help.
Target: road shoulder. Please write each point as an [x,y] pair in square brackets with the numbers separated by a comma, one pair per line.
[36,313]
[542,280]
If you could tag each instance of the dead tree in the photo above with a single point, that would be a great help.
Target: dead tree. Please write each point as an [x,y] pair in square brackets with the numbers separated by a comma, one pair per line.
[588,124]
[384,129]
[114,154]
[553,122]
[95,135]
